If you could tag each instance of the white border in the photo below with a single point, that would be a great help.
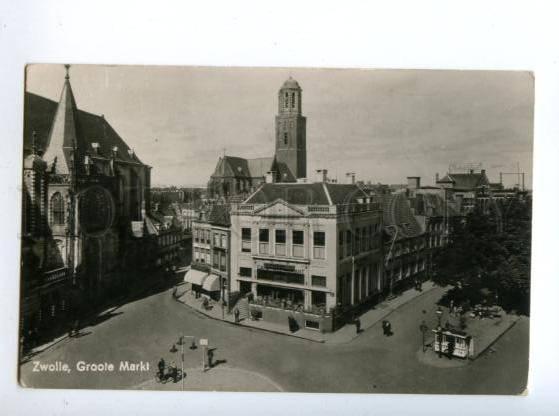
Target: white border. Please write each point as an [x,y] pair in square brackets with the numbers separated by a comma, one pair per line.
[388,34]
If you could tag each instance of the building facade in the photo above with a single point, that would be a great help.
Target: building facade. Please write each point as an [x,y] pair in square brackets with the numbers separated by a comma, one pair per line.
[310,253]
[83,189]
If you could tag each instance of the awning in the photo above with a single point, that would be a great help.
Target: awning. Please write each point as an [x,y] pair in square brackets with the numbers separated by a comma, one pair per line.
[211,284]
[196,277]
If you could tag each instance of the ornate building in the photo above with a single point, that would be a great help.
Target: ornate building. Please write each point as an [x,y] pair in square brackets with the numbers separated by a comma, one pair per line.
[237,176]
[84,190]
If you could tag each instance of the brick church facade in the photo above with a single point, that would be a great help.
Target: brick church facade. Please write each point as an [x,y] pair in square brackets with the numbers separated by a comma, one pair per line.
[84,190]
[237,177]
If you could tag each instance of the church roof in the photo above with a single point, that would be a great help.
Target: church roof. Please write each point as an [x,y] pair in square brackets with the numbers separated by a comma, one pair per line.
[40,113]
[290,83]
[260,166]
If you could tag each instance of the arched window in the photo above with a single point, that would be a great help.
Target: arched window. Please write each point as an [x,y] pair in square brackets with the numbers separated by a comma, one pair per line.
[292,100]
[57,209]
[286,101]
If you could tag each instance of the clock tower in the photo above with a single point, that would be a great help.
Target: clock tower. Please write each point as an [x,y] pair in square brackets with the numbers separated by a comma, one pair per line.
[291,127]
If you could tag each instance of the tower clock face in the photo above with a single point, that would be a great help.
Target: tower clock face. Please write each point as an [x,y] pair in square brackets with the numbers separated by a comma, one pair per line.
[96,210]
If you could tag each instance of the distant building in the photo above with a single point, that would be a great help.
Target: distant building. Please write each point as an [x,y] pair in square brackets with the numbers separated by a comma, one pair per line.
[209,272]
[465,187]
[237,176]
[307,252]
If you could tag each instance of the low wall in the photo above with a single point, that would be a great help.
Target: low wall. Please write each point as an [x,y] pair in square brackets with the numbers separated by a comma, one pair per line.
[281,317]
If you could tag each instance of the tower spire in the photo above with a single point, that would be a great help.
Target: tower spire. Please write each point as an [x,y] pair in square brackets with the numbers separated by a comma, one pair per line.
[62,141]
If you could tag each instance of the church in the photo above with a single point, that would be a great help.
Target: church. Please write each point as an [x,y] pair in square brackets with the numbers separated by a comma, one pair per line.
[84,192]
[237,177]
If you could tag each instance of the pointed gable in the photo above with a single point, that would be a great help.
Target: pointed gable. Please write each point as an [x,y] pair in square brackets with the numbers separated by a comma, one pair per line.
[279,208]
[63,136]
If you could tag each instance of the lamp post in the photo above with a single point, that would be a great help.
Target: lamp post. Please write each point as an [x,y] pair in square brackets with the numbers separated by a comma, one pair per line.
[439,313]
[423,328]
[174,349]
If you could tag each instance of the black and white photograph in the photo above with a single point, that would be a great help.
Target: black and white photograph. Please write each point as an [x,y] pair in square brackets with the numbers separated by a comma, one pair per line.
[276,229]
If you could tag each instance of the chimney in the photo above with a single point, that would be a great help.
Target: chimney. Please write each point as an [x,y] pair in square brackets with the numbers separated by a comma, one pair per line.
[270,177]
[351,177]
[437,177]
[414,182]
[322,175]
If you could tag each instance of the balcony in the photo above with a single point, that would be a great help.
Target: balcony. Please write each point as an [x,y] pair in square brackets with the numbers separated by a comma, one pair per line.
[56,276]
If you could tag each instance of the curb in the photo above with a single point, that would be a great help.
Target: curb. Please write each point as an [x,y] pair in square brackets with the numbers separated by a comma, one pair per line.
[479,354]
[248,326]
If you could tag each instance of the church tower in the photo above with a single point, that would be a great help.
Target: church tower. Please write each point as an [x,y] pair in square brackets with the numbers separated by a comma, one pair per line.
[291,128]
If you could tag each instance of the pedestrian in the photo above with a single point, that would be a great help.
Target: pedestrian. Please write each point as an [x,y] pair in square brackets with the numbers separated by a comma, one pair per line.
[161,367]
[389,328]
[237,313]
[210,357]
[385,328]
[357,326]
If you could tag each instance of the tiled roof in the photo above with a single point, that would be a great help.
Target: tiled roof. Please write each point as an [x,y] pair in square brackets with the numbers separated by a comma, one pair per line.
[260,166]
[219,214]
[39,115]
[306,193]
[465,180]
[397,213]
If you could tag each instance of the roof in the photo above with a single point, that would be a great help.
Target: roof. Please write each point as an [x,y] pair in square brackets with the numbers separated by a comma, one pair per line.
[306,193]
[260,166]
[290,83]
[397,213]
[219,214]
[40,114]
[466,180]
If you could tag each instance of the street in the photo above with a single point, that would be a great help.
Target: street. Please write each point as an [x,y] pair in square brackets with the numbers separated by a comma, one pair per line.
[146,329]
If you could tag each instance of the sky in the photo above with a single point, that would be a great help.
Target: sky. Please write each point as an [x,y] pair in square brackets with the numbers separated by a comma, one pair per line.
[384,125]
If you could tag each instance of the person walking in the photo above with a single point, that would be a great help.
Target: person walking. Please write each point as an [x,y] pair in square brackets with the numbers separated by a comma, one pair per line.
[385,328]
[210,357]
[237,313]
[161,367]
[357,326]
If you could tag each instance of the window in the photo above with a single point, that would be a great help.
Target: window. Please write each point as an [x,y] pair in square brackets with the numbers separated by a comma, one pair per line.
[357,241]
[57,209]
[298,243]
[341,244]
[223,262]
[319,243]
[215,261]
[318,280]
[286,101]
[348,242]
[263,240]
[216,240]
[246,240]
[285,138]
[223,241]
[292,100]
[245,272]
[280,242]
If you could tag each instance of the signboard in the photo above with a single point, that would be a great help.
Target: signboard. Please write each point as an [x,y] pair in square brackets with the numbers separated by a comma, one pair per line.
[282,267]
[203,342]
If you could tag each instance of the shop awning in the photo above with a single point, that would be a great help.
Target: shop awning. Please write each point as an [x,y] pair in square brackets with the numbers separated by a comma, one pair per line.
[211,284]
[196,277]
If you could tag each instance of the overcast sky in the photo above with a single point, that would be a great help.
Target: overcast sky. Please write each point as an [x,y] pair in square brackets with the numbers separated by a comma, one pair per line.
[382,124]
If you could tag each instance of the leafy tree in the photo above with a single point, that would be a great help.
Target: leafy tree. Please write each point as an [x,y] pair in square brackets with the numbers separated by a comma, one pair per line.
[490,250]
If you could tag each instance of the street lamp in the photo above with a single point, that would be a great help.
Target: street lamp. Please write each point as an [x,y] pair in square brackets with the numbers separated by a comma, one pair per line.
[423,328]
[174,350]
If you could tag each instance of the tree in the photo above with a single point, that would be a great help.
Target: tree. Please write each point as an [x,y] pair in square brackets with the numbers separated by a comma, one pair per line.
[492,252]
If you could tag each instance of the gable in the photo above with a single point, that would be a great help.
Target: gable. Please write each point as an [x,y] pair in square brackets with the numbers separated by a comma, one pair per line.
[279,208]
